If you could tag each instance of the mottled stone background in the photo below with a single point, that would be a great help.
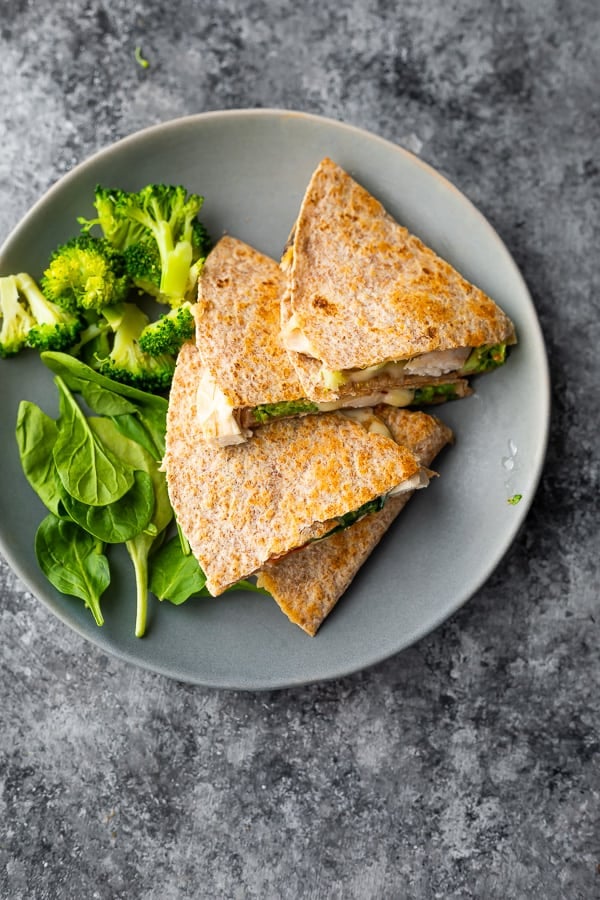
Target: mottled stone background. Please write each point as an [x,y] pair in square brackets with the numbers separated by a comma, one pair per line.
[467,766]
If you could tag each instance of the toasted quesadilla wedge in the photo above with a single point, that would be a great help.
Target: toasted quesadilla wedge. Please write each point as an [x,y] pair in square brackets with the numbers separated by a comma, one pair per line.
[297,481]
[247,378]
[308,583]
[368,303]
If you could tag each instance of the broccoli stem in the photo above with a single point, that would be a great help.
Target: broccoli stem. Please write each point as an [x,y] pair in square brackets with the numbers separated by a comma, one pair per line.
[174,281]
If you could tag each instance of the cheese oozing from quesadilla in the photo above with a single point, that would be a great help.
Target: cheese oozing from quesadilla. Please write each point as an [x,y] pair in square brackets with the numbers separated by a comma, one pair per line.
[222,424]
[433,364]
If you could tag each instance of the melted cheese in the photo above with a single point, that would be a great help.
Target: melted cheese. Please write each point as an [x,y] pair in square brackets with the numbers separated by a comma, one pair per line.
[398,397]
[370,422]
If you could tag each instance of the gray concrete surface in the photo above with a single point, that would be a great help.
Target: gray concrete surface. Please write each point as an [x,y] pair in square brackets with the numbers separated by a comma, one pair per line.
[467,766]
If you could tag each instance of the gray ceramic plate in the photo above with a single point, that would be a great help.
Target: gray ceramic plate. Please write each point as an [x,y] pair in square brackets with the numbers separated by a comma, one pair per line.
[252,167]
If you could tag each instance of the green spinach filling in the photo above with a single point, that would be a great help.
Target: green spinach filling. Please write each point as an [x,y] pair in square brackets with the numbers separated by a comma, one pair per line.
[345,521]
[434,393]
[484,359]
[267,411]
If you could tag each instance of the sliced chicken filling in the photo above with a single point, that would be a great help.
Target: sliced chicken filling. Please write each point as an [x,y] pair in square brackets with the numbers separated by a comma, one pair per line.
[216,414]
[433,364]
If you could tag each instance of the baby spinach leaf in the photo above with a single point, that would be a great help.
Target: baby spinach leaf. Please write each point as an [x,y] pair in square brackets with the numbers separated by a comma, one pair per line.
[151,408]
[116,522]
[244,585]
[89,472]
[131,426]
[141,544]
[73,562]
[105,402]
[36,435]
[173,575]
[134,455]
[75,374]
[176,576]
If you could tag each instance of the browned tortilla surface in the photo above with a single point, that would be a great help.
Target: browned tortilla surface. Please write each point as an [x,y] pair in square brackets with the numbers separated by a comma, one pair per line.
[308,583]
[240,506]
[237,326]
[365,290]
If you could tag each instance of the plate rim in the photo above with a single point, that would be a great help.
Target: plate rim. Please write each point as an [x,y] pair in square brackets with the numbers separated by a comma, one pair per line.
[260,684]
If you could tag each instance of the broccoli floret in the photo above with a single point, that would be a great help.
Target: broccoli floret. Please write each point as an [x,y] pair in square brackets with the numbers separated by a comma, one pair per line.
[86,273]
[163,220]
[120,232]
[17,321]
[56,328]
[168,212]
[169,332]
[142,261]
[94,341]
[29,319]
[126,362]
[201,241]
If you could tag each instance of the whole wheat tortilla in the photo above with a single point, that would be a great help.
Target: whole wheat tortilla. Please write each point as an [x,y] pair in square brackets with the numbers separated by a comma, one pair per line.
[365,290]
[237,326]
[243,505]
[308,583]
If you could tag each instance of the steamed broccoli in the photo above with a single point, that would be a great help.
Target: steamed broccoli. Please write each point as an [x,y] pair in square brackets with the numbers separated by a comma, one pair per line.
[29,319]
[94,340]
[142,261]
[169,332]
[120,232]
[158,231]
[126,362]
[17,321]
[86,273]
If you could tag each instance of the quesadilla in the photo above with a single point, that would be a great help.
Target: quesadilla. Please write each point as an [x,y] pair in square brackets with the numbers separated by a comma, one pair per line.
[247,378]
[308,583]
[297,481]
[368,303]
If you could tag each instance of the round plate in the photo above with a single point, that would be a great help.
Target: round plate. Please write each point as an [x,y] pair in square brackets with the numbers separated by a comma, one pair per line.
[252,166]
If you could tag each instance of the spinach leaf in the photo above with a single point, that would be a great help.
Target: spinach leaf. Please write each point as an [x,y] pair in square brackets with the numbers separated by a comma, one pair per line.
[151,408]
[116,522]
[88,471]
[245,585]
[73,562]
[75,374]
[134,455]
[175,576]
[105,402]
[36,436]
[131,426]
[140,545]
